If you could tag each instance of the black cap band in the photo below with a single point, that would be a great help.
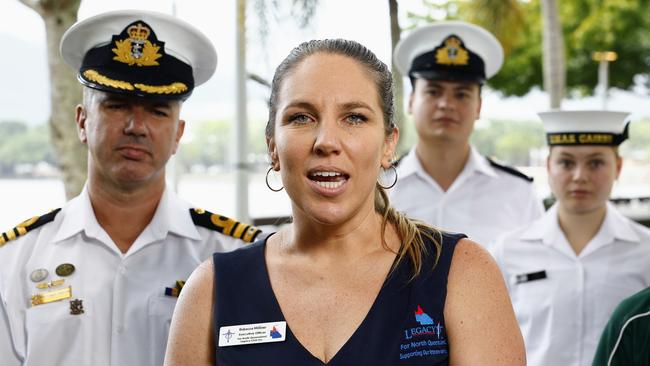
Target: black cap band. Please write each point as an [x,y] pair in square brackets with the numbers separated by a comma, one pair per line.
[586,138]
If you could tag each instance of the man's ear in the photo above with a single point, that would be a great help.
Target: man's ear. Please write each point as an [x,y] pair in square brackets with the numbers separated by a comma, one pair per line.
[179,133]
[409,108]
[80,118]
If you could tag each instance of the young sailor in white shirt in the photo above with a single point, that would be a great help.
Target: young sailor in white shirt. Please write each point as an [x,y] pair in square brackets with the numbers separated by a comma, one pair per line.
[444,180]
[568,270]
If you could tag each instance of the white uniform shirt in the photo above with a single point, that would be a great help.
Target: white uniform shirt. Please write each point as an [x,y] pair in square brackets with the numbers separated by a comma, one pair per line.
[126,312]
[483,202]
[563,315]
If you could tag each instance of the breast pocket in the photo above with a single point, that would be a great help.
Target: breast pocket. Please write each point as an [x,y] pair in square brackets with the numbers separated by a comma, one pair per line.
[161,309]
[51,325]
[532,299]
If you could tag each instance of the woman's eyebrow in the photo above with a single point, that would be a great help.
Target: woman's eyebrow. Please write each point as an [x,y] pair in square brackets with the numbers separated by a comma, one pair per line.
[355,105]
[300,104]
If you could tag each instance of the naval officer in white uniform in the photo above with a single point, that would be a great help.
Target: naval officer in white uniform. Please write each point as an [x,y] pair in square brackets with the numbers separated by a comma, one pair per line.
[96,282]
[567,271]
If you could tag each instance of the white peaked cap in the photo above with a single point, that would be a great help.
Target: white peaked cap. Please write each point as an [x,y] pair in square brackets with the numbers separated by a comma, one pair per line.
[585,127]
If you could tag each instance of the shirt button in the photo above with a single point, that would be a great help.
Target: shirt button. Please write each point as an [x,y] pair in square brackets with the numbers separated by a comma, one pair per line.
[120,329]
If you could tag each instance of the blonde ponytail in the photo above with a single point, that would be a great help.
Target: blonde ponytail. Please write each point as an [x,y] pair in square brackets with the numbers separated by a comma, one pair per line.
[412,234]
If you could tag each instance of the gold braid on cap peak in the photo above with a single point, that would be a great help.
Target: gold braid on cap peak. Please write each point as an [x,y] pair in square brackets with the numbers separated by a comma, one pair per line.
[93,75]
[173,88]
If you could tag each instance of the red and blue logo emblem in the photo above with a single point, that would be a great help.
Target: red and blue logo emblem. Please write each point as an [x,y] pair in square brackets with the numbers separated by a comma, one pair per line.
[427,326]
[425,340]
[422,317]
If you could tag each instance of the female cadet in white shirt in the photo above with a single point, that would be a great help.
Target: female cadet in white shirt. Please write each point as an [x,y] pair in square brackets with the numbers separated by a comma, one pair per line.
[568,270]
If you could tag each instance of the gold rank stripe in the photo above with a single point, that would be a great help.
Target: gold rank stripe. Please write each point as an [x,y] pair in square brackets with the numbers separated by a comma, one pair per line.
[224,225]
[51,296]
[27,225]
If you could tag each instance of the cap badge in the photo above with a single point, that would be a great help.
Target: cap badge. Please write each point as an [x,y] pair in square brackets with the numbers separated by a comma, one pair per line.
[452,53]
[137,49]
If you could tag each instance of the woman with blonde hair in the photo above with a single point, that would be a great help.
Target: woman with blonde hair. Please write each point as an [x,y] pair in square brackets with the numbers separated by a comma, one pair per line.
[567,271]
[350,281]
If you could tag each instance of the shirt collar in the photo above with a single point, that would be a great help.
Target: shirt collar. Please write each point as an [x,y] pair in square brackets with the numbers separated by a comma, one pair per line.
[479,163]
[614,227]
[78,215]
[618,226]
[546,228]
[172,215]
[410,164]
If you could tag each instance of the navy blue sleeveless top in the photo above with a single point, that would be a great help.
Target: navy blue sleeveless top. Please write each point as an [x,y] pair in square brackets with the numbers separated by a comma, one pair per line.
[404,326]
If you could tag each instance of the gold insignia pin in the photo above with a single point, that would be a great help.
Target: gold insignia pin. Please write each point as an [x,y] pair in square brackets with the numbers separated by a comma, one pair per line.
[137,49]
[51,296]
[53,283]
[453,53]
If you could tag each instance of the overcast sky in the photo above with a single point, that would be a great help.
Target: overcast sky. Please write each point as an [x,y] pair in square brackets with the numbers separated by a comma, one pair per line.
[23,68]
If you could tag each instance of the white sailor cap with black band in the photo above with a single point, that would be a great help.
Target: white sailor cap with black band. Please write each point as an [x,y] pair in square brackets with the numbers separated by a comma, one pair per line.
[578,128]
[139,52]
[449,51]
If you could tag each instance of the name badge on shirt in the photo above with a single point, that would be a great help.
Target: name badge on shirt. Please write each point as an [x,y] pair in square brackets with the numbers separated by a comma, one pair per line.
[527,277]
[236,335]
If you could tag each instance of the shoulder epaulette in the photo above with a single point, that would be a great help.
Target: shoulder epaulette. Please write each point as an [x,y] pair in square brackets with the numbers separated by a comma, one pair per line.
[224,225]
[509,170]
[27,225]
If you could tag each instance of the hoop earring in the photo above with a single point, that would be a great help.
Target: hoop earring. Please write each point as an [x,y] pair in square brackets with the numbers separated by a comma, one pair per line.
[267,181]
[394,181]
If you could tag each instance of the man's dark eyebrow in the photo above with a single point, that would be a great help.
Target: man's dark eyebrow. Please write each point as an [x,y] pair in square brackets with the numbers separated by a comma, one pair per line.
[161,103]
[114,98]
[432,83]
[463,87]
[438,84]
[596,155]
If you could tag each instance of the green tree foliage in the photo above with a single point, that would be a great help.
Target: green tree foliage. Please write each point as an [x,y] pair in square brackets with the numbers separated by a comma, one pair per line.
[24,145]
[11,128]
[210,143]
[612,25]
[589,25]
[207,144]
[509,141]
